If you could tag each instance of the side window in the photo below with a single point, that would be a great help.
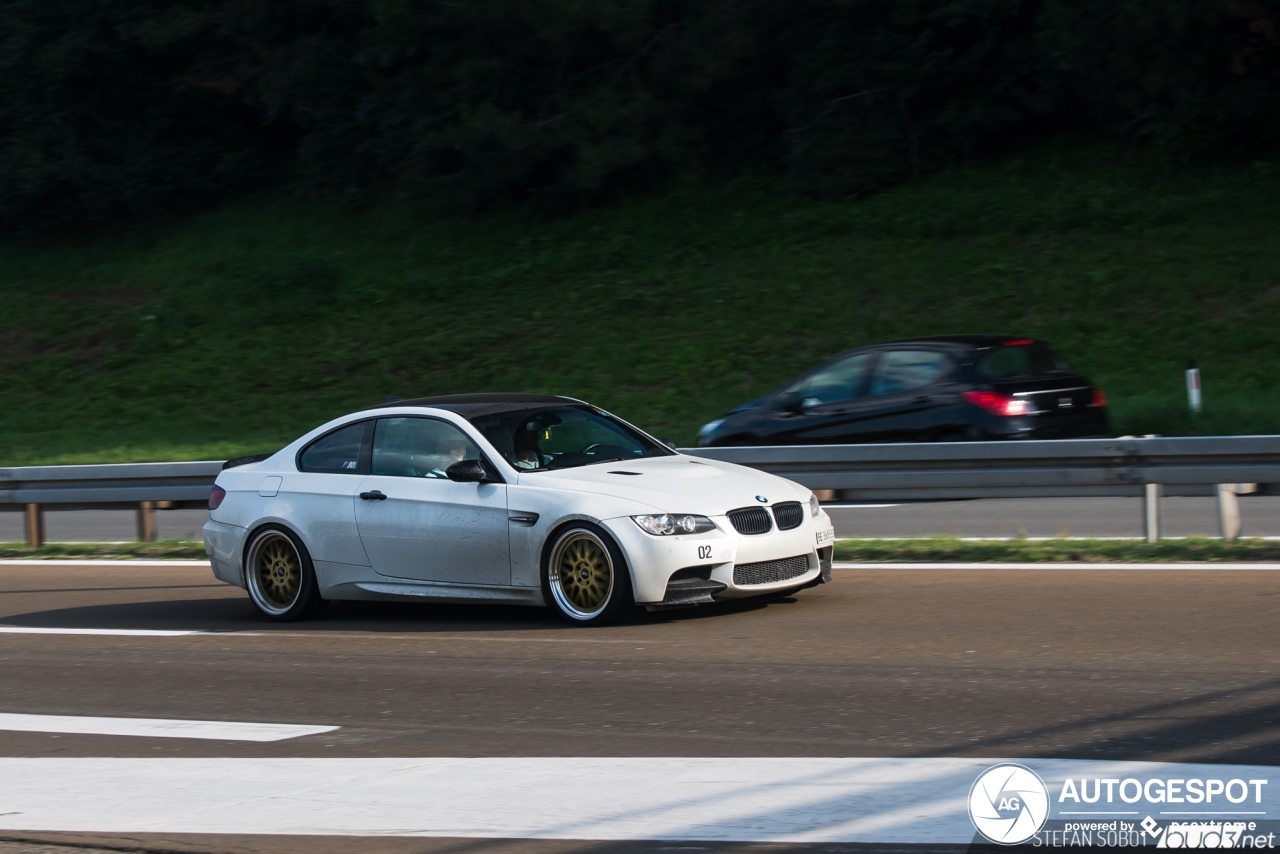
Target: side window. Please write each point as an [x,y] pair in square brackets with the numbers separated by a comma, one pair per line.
[419,447]
[840,381]
[904,370]
[337,452]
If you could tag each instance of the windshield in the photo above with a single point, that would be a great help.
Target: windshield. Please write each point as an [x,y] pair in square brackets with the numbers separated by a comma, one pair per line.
[1020,361]
[559,437]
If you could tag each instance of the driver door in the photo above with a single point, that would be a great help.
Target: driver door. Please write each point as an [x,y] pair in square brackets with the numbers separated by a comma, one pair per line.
[417,524]
[827,405]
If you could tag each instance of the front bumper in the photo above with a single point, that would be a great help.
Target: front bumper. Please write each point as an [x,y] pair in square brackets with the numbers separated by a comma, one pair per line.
[709,561]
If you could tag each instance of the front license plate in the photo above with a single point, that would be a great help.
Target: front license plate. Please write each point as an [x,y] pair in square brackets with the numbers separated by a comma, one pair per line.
[826,536]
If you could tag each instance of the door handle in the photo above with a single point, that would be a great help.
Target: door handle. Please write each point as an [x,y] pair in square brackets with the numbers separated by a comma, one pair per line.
[375,495]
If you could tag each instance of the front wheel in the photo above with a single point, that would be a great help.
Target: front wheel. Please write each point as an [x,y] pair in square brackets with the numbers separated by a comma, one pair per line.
[280,577]
[585,578]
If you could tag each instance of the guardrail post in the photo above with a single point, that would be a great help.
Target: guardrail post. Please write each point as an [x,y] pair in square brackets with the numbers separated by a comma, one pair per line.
[1151,511]
[35,525]
[147,521]
[1228,511]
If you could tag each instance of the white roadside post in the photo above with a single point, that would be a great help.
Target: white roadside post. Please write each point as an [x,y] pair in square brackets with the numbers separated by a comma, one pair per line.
[1151,511]
[1193,387]
[1229,510]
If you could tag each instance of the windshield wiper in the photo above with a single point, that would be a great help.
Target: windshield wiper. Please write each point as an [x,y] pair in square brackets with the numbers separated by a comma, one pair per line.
[552,464]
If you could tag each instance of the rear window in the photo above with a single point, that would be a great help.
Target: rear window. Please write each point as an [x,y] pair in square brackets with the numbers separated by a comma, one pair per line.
[1019,361]
[337,452]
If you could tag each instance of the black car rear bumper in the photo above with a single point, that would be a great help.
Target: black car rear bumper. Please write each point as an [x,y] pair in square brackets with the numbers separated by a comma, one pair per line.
[1090,424]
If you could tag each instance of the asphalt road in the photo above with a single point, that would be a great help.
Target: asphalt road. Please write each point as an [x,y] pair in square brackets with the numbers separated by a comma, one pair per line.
[1093,664]
[1089,664]
[1035,517]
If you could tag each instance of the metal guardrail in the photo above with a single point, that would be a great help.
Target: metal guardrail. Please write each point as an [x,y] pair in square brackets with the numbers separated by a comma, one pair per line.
[145,487]
[1042,469]
[1053,469]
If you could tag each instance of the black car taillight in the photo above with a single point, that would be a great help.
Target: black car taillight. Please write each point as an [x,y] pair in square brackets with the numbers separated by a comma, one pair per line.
[1099,398]
[216,496]
[996,403]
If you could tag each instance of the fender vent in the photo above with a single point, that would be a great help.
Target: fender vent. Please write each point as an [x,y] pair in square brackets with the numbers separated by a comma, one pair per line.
[750,520]
[770,571]
[789,515]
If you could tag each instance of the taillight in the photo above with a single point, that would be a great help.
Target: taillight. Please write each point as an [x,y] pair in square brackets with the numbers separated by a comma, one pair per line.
[997,404]
[1099,398]
[215,497]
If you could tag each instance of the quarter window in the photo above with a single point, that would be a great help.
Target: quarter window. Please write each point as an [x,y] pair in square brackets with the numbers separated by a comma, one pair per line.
[904,370]
[337,452]
[419,447]
[1020,361]
[840,381]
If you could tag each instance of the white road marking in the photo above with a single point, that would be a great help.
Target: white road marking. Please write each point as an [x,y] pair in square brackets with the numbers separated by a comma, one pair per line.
[916,801]
[1058,565]
[143,633]
[102,561]
[157,728]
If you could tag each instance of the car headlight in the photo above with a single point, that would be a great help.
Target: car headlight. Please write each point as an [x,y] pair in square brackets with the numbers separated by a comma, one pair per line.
[674,523]
[814,507]
[710,427]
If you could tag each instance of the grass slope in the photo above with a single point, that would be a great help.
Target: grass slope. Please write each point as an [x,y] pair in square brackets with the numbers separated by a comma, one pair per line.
[953,550]
[234,331]
[917,550]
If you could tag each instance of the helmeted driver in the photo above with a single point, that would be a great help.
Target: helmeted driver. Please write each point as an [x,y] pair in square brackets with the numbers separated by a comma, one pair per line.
[528,456]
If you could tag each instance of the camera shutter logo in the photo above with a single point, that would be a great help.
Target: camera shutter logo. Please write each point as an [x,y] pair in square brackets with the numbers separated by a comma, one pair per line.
[1008,803]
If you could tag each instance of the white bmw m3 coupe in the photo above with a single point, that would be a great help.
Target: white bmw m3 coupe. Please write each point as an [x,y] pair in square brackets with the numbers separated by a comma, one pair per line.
[517,498]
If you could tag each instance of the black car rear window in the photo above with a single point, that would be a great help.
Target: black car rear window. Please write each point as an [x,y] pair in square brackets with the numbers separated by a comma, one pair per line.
[1019,361]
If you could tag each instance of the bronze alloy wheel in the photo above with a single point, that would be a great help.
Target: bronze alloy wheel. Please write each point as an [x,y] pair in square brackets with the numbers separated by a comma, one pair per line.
[581,575]
[274,572]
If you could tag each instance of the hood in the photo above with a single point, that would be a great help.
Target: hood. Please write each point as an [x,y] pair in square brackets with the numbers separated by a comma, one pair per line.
[676,484]
[744,407]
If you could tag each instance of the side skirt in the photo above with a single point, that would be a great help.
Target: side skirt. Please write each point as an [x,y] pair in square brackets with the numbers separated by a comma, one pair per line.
[377,591]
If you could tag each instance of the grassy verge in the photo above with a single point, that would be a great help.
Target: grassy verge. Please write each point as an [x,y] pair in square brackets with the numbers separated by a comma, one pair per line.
[952,550]
[235,331]
[163,549]
[923,550]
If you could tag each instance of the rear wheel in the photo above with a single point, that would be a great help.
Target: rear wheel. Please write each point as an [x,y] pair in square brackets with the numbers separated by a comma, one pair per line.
[585,578]
[280,576]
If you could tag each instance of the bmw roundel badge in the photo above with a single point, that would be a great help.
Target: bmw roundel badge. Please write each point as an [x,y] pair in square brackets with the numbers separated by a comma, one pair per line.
[762,499]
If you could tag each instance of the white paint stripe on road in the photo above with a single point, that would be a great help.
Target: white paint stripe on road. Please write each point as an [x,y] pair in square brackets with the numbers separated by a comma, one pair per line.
[106,561]
[157,728]
[1054,565]
[142,633]
[915,801]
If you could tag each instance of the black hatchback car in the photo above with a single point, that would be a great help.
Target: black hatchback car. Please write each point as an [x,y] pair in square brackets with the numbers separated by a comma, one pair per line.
[952,388]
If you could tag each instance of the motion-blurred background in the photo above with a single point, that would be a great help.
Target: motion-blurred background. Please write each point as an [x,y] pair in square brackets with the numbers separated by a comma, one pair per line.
[226,221]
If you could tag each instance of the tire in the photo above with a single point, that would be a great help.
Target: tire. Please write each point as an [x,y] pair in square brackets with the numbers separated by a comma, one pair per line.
[280,576]
[584,576]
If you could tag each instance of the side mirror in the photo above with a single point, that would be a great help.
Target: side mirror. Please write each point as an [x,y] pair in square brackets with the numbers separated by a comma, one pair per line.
[791,402]
[670,444]
[466,471]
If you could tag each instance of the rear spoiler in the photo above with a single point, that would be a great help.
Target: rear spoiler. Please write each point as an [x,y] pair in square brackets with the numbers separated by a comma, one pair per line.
[244,461]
